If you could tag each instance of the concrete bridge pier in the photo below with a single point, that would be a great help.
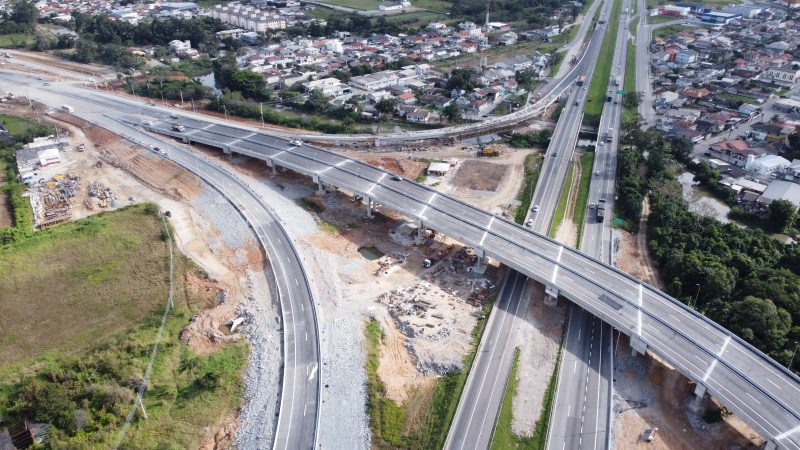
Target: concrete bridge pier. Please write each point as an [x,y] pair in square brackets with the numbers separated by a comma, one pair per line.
[184,139]
[370,207]
[377,143]
[271,165]
[698,405]
[550,294]
[637,345]
[481,262]
[422,232]
[227,150]
[320,185]
[770,445]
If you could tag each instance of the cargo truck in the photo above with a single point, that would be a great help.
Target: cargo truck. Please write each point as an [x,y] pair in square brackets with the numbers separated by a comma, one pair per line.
[601,212]
[581,80]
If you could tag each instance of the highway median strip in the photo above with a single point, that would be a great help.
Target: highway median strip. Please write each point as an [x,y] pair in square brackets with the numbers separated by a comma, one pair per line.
[579,213]
[532,167]
[600,80]
[563,201]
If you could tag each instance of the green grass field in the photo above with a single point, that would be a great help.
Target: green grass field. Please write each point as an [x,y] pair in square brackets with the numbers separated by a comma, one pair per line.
[579,212]
[17,125]
[662,19]
[15,40]
[439,6]
[629,85]
[533,163]
[504,437]
[365,5]
[599,85]
[561,207]
[670,30]
[738,98]
[82,304]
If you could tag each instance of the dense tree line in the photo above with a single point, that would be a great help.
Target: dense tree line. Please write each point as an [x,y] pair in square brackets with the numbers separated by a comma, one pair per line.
[741,277]
[540,139]
[19,18]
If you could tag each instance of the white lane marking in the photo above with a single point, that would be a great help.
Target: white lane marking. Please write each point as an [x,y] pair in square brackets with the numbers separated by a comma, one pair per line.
[574,368]
[787,433]
[302,307]
[558,260]
[383,175]
[434,196]
[296,283]
[488,227]
[304,409]
[313,372]
[569,408]
[639,313]
[773,383]
[754,399]
[338,164]
[306,335]
[719,354]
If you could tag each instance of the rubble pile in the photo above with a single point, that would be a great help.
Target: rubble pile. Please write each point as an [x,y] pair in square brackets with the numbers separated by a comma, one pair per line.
[99,196]
[51,199]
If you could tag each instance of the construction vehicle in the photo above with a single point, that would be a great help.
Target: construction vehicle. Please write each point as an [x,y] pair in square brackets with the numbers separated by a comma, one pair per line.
[178,127]
[484,150]
[601,212]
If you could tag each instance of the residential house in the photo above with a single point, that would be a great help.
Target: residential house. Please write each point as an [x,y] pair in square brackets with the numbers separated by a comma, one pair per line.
[330,87]
[787,76]
[767,164]
[419,116]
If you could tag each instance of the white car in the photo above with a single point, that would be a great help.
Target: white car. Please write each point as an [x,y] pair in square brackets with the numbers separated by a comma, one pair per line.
[296,142]
[535,208]
[529,223]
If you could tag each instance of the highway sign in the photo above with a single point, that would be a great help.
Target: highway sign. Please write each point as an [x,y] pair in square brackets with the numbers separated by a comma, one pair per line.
[620,92]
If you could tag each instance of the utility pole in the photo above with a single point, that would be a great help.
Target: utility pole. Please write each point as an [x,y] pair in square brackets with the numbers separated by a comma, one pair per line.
[696,295]
[791,360]
[261,108]
[181,97]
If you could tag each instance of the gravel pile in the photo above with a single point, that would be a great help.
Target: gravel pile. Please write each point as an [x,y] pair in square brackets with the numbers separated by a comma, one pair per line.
[233,229]
[263,376]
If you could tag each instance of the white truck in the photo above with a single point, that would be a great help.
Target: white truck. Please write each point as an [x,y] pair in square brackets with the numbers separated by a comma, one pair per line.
[67,108]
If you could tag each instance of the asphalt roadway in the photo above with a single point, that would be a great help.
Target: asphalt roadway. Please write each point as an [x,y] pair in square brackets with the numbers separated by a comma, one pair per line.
[484,394]
[581,417]
[299,408]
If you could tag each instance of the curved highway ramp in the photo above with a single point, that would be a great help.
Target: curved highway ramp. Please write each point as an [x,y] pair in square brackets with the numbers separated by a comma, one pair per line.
[758,389]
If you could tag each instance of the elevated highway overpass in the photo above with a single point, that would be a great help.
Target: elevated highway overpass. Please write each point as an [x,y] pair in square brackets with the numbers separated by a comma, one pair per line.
[755,387]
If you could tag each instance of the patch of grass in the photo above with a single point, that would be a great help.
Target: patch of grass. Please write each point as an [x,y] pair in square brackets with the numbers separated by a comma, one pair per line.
[738,98]
[630,114]
[365,5]
[561,207]
[525,195]
[579,214]
[327,227]
[310,205]
[97,287]
[662,19]
[421,178]
[423,421]
[670,30]
[504,437]
[16,40]
[439,6]
[385,416]
[19,126]
[602,70]
[94,277]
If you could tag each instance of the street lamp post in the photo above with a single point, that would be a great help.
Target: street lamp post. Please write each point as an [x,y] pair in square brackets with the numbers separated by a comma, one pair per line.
[791,360]
[696,295]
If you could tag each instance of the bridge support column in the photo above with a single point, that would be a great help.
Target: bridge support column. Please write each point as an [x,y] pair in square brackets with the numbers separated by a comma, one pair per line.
[271,165]
[226,150]
[637,345]
[320,185]
[551,294]
[698,405]
[481,261]
[370,207]
[770,445]
[377,143]
[185,140]
[422,232]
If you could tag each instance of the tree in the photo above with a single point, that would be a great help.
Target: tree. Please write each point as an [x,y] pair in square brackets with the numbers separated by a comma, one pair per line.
[453,112]
[24,14]
[460,79]
[631,99]
[386,105]
[782,215]
[250,84]
[316,102]
[759,322]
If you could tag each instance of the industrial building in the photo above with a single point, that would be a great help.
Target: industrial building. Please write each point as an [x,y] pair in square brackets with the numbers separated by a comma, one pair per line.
[248,17]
